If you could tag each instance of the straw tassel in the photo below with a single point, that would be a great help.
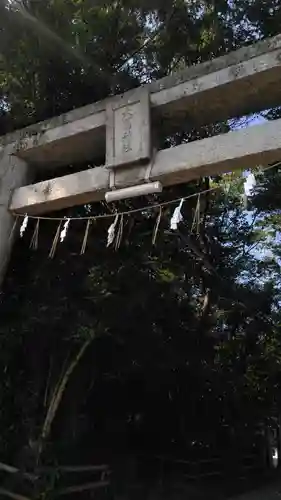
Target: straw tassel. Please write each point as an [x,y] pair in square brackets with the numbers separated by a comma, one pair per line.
[13,228]
[86,235]
[156,227]
[34,239]
[120,232]
[55,241]
[196,219]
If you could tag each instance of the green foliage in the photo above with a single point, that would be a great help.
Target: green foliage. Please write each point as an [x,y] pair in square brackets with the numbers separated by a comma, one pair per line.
[188,329]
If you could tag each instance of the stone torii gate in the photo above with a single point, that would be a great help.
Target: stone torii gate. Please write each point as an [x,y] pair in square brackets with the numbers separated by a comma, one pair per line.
[120,129]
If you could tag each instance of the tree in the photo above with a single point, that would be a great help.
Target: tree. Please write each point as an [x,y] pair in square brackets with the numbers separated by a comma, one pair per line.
[149,348]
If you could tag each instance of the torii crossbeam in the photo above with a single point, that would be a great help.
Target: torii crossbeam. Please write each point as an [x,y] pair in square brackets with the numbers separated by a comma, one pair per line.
[120,129]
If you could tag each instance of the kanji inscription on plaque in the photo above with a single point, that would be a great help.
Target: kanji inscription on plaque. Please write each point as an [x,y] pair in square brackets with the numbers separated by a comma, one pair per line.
[128,129]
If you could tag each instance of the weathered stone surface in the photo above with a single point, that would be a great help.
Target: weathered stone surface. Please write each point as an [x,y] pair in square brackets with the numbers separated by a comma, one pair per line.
[238,83]
[249,86]
[76,141]
[241,82]
[128,129]
[13,173]
[223,62]
[244,148]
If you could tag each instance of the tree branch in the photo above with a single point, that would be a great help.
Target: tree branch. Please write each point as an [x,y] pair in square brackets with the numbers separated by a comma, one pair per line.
[59,392]
[12,495]
[76,468]
[81,487]
[13,470]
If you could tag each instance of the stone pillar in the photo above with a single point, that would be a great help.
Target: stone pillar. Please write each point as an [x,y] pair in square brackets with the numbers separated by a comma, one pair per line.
[14,173]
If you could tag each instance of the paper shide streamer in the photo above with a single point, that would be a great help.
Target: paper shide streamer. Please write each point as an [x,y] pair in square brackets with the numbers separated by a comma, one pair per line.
[24,225]
[111,231]
[115,230]
[177,216]
[249,187]
[64,231]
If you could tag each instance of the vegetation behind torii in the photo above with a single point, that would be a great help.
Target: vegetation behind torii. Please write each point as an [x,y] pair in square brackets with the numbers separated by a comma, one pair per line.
[147,349]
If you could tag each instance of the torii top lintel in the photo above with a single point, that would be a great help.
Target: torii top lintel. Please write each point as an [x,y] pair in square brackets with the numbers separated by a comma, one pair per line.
[120,129]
